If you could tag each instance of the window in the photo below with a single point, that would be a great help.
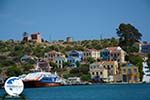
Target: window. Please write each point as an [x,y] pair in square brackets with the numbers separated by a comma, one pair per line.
[91,67]
[59,61]
[124,70]
[129,71]
[112,55]
[108,67]
[115,55]
[92,73]
[96,73]
[118,54]
[135,70]
[112,66]
[59,66]
[148,75]
[135,78]
[104,66]
[101,73]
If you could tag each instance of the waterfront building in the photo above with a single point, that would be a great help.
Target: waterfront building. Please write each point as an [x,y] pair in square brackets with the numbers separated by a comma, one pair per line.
[60,60]
[74,57]
[105,70]
[51,55]
[113,54]
[92,53]
[146,71]
[73,80]
[130,73]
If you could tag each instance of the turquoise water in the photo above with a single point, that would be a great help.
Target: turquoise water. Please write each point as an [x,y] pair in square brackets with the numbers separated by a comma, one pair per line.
[89,92]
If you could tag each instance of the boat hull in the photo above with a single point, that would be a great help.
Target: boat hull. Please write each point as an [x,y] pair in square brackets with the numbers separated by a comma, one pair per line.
[33,84]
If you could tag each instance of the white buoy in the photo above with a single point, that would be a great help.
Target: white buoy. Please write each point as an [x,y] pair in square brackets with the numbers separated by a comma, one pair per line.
[14,86]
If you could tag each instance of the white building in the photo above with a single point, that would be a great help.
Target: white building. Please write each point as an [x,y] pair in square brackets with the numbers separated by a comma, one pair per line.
[146,70]
[92,53]
[60,61]
[51,55]
[74,80]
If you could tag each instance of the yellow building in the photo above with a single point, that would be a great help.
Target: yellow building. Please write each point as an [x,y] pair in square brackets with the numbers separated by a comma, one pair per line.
[106,70]
[130,74]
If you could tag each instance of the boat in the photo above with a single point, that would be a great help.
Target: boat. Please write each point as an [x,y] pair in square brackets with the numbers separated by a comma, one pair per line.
[146,71]
[41,79]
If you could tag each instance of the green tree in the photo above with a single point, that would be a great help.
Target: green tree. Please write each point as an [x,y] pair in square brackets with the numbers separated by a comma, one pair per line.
[135,59]
[128,35]
[0,70]
[14,71]
[66,64]
[91,60]
[78,64]
[26,67]
[54,66]
[75,71]
[84,68]
[85,77]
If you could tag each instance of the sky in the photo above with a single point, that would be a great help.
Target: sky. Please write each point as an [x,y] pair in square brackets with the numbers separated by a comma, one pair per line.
[80,19]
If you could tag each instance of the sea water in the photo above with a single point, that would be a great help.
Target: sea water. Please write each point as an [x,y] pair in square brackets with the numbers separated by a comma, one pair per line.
[89,92]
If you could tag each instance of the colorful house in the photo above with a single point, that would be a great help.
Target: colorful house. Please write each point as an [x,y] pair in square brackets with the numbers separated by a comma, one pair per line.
[105,70]
[43,66]
[60,61]
[105,55]
[51,55]
[113,54]
[130,73]
[92,53]
[74,57]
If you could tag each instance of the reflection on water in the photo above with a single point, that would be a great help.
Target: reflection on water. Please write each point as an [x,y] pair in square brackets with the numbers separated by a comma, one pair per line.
[7,97]
[87,92]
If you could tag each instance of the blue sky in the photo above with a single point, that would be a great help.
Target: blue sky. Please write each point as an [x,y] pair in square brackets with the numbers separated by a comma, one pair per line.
[80,19]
